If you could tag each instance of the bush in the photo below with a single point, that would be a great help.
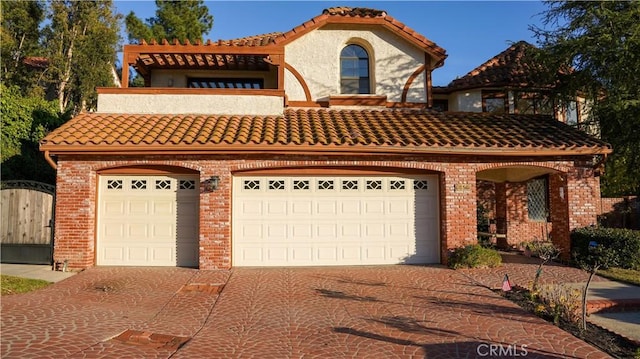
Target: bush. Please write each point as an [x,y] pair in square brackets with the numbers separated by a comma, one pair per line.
[561,302]
[474,256]
[625,244]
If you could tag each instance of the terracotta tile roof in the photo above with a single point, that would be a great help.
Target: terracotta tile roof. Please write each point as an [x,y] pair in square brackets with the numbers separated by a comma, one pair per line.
[346,14]
[365,15]
[323,130]
[512,67]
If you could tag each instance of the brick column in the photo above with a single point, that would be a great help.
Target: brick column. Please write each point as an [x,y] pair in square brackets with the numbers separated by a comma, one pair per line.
[215,221]
[458,196]
[559,213]
[74,240]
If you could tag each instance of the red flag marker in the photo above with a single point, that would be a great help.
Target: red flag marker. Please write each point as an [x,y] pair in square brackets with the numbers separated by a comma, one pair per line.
[506,284]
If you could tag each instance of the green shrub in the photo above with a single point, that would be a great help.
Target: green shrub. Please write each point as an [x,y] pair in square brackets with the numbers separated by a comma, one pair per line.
[625,243]
[474,256]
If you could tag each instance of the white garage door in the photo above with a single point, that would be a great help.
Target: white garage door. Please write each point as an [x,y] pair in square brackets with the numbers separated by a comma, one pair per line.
[335,220]
[148,220]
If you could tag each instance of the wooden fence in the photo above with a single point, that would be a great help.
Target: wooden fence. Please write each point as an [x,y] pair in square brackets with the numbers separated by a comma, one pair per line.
[27,221]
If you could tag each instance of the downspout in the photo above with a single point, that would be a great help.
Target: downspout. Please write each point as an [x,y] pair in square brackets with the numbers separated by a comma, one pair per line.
[49,160]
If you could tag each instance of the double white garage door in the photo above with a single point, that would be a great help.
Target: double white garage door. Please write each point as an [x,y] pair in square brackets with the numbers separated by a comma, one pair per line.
[335,220]
[276,220]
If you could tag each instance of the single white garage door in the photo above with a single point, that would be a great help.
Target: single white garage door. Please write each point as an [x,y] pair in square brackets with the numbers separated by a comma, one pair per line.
[335,220]
[148,220]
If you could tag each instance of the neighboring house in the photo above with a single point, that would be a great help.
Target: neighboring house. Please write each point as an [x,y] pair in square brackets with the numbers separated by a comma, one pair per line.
[316,146]
[511,83]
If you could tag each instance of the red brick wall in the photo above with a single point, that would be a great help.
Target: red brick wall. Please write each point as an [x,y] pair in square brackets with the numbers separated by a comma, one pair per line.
[519,227]
[76,197]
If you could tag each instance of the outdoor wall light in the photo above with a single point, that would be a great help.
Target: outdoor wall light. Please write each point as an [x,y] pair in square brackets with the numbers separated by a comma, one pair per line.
[213,182]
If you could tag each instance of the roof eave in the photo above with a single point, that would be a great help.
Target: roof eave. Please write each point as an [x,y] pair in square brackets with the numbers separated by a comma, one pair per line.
[319,150]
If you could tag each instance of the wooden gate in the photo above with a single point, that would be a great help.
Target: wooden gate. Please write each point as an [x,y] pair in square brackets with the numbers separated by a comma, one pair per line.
[27,222]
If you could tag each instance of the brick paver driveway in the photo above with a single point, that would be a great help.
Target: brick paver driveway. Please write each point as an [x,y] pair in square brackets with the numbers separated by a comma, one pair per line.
[336,312]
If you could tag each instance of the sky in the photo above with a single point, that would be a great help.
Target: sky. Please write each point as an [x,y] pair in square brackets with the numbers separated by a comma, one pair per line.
[470,31]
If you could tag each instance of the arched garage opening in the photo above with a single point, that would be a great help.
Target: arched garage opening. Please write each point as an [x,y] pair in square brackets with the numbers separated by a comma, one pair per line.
[148,216]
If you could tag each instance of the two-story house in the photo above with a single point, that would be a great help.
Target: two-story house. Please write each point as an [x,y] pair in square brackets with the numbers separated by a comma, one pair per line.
[316,146]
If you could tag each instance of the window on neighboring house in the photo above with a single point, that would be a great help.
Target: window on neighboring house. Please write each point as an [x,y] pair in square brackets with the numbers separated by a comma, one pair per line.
[354,70]
[571,113]
[494,102]
[225,83]
[533,103]
[538,199]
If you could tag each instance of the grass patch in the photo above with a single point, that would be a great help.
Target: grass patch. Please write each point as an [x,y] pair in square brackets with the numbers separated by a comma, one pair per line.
[15,285]
[622,275]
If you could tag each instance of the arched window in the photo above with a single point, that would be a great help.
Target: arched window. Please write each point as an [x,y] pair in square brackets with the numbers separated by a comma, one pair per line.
[354,70]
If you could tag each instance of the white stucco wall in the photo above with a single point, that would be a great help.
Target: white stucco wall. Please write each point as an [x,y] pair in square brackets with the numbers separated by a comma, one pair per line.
[316,56]
[190,104]
[466,101]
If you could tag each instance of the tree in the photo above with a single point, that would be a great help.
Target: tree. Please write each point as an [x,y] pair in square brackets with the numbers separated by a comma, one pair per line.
[598,256]
[81,44]
[25,121]
[20,38]
[546,251]
[186,19]
[600,43]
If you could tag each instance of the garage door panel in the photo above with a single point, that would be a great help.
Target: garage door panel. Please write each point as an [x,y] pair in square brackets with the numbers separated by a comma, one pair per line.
[374,252]
[276,231]
[350,207]
[326,207]
[334,220]
[302,232]
[162,254]
[328,253]
[163,230]
[276,254]
[137,254]
[113,253]
[301,208]
[351,254]
[349,230]
[250,207]
[276,207]
[140,230]
[374,230]
[399,252]
[402,229]
[147,219]
[399,207]
[138,207]
[113,207]
[374,206]
[326,231]
[301,254]
[114,230]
